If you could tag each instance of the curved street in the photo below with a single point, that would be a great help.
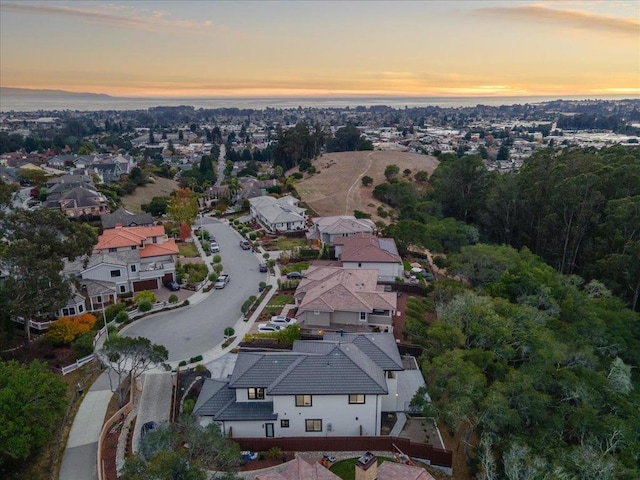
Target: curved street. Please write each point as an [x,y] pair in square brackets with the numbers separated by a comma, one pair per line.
[195,329]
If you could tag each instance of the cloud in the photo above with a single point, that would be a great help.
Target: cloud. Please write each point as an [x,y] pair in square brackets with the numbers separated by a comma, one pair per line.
[110,15]
[569,18]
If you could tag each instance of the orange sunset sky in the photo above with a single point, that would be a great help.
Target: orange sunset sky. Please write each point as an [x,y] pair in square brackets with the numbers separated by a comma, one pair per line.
[306,48]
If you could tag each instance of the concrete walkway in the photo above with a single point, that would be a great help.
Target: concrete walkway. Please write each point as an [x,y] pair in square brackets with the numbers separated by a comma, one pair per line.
[79,461]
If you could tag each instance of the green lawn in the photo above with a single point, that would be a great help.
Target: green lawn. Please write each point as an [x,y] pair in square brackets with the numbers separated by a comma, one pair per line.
[290,243]
[297,267]
[188,250]
[346,469]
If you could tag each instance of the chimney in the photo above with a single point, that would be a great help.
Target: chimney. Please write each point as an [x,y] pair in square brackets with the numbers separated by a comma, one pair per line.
[367,467]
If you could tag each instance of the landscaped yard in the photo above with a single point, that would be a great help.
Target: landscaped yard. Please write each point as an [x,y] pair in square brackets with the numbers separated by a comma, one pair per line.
[295,267]
[277,303]
[346,469]
[285,243]
[188,250]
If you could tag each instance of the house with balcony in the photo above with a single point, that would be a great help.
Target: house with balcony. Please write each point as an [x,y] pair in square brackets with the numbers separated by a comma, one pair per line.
[367,251]
[326,230]
[338,386]
[344,298]
[278,214]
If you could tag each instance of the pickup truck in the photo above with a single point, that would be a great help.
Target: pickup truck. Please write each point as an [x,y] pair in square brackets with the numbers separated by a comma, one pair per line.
[245,245]
[221,282]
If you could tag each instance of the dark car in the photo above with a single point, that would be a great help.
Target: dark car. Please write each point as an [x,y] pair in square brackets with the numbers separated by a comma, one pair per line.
[147,428]
[294,275]
[171,285]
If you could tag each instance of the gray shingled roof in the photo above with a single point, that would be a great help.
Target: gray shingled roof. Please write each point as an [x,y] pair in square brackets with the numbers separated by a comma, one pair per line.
[217,400]
[344,370]
[125,218]
[259,369]
[379,347]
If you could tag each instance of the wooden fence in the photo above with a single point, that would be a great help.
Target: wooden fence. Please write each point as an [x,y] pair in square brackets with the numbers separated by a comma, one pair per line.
[435,456]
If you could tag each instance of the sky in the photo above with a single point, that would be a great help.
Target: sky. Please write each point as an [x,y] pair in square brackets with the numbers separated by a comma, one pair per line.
[299,48]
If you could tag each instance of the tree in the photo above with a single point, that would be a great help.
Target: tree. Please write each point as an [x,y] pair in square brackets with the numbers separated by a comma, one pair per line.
[391,172]
[134,356]
[183,207]
[32,401]
[66,329]
[367,180]
[37,243]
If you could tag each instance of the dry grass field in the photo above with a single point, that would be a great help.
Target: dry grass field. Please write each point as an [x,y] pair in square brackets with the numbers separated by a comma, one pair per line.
[159,187]
[337,187]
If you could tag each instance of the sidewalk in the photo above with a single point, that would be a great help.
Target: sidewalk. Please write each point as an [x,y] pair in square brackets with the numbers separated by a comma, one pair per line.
[79,460]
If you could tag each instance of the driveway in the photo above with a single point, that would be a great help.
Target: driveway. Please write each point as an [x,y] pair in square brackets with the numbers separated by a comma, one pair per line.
[195,329]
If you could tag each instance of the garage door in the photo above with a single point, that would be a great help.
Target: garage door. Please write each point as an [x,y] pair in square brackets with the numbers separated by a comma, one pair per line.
[145,285]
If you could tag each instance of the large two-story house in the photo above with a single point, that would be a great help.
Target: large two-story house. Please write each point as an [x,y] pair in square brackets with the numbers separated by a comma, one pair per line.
[340,297]
[325,230]
[338,386]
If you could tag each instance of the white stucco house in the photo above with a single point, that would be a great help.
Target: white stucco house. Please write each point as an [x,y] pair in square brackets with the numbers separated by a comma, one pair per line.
[340,297]
[367,251]
[325,230]
[278,214]
[337,386]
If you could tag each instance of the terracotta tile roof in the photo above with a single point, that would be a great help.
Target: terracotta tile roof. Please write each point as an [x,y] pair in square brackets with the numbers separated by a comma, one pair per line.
[157,249]
[299,469]
[340,289]
[127,236]
[399,471]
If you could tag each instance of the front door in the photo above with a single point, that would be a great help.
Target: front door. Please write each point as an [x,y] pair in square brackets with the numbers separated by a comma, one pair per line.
[268,428]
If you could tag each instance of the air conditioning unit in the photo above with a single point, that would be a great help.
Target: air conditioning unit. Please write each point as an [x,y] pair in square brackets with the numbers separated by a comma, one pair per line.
[329,427]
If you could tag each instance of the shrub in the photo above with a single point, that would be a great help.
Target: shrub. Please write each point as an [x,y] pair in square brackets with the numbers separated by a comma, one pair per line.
[146,296]
[112,310]
[213,276]
[217,259]
[297,175]
[122,316]
[66,329]
[229,332]
[367,180]
[185,303]
[188,405]
[265,255]
[253,236]
[218,268]
[274,453]
[173,298]
[361,214]
[195,359]
[83,345]
[183,363]
[248,303]
[145,306]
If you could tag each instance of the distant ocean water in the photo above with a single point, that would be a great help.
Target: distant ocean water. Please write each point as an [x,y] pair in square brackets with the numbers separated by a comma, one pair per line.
[23,103]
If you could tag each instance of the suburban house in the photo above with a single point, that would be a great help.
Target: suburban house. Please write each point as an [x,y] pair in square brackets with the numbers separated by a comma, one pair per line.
[278,214]
[345,298]
[126,259]
[299,469]
[364,250]
[338,386]
[126,219]
[325,230]
[80,201]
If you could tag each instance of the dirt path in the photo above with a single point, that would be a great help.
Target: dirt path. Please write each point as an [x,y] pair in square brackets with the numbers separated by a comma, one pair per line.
[348,209]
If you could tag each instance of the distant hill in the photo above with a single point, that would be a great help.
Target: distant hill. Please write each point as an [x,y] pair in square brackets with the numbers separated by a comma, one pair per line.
[61,94]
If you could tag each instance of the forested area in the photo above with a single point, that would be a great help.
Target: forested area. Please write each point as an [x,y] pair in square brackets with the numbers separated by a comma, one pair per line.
[533,360]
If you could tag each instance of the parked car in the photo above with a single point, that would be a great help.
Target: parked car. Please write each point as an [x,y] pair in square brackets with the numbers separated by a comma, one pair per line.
[215,248]
[263,267]
[294,275]
[221,282]
[268,327]
[245,245]
[283,321]
[171,285]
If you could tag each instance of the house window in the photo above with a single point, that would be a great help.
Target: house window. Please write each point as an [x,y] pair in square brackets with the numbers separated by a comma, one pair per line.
[256,393]
[154,239]
[115,273]
[133,268]
[303,401]
[80,308]
[363,316]
[377,311]
[68,311]
[284,423]
[316,312]
[391,374]
[313,425]
[359,264]
[134,247]
[113,250]
[123,289]
[356,398]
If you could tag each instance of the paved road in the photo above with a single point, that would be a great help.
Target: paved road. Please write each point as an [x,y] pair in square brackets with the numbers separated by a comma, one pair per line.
[79,459]
[192,330]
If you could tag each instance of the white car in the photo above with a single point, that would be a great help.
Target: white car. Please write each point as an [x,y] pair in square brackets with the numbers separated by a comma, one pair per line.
[268,327]
[283,321]
[215,248]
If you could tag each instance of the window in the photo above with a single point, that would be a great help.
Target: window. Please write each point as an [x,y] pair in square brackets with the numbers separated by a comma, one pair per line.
[391,374]
[357,398]
[68,311]
[256,393]
[115,273]
[284,423]
[316,312]
[99,299]
[134,247]
[123,289]
[303,401]
[363,316]
[313,425]
[133,268]
[359,264]
[113,250]
[154,239]
[80,308]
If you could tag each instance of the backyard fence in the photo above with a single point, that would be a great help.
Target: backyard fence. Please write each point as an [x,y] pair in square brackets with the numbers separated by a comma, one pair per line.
[77,364]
